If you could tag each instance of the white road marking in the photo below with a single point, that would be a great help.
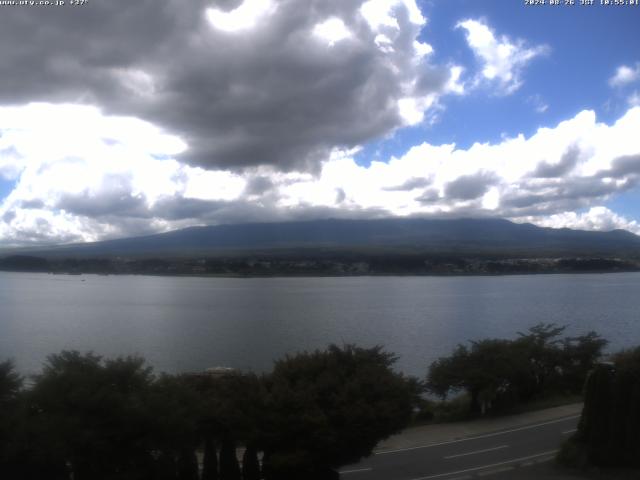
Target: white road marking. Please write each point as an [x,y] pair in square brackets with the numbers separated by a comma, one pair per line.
[477,451]
[356,470]
[545,460]
[514,460]
[387,452]
[495,470]
[570,431]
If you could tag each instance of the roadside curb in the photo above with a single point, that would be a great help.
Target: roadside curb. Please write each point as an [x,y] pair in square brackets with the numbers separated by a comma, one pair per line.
[416,437]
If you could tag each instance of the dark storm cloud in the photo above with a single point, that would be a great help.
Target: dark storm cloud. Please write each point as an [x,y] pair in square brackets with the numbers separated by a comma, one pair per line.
[567,162]
[469,187]
[271,95]
[258,186]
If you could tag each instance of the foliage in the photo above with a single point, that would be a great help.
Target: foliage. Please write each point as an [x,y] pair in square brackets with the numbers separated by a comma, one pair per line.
[350,399]
[250,464]
[85,417]
[10,383]
[609,429]
[209,460]
[498,374]
[10,386]
[94,413]
[229,467]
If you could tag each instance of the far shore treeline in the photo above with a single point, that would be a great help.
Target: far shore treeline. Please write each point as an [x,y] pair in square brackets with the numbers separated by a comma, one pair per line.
[328,263]
[90,418]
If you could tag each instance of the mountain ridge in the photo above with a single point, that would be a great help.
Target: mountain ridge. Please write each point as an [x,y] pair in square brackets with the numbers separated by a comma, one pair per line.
[459,235]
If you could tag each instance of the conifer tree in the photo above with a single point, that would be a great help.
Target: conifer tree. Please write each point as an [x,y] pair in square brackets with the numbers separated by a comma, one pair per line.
[210,460]
[229,467]
[250,464]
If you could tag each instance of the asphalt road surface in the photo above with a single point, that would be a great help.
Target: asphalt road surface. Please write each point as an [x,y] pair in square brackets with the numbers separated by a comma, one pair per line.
[470,457]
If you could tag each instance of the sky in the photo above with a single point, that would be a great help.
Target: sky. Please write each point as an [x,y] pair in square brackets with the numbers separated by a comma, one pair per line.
[122,118]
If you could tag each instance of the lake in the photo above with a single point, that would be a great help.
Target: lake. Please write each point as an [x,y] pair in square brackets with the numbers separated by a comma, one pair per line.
[189,323]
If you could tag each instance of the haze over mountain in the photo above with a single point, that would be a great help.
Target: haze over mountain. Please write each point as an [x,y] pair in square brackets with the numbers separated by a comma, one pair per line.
[455,236]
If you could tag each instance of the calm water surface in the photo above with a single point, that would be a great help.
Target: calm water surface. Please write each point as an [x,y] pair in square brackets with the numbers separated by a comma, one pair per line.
[186,324]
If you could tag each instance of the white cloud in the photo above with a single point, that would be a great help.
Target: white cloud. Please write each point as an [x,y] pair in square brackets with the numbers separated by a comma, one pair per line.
[597,218]
[538,103]
[380,13]
[502,59]
[82,175]
[625,75]
[244,17]
[634,99]
[119,178]
[455,85]
[572,165]
[332,30]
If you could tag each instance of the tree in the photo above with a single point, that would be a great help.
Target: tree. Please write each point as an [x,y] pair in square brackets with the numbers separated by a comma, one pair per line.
[541,347]
[579,356]
[626,411]
[232,408]
[10,387]
[330,408]
[487,372]
[250,464]
[10,383]
[177,409]
[594,427]
[187,464]
[229,467]
[94,413]
[498,373]
[210,460]
[609,428]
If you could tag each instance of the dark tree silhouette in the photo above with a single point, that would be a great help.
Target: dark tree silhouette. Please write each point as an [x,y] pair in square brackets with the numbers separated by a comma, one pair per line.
[93,413]
[330,408]
[250,464]
[210,460]
[229,467]
[498,373]
[486,371]
[187,464]
[609,429]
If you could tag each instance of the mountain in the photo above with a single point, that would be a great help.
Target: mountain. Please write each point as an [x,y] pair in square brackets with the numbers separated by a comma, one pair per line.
[412,235]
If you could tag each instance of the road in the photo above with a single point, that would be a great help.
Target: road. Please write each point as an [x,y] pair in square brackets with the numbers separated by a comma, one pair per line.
[470,457]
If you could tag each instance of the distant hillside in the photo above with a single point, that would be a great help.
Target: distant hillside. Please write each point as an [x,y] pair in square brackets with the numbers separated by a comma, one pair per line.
[446,236]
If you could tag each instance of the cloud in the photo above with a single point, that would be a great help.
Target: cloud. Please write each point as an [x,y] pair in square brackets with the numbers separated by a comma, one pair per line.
[538,103]
[121,177]
[243,83]
[502,58]
[567,162]
[410,184]
[597,218]
[625,75]
[622,167]
[469,187]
